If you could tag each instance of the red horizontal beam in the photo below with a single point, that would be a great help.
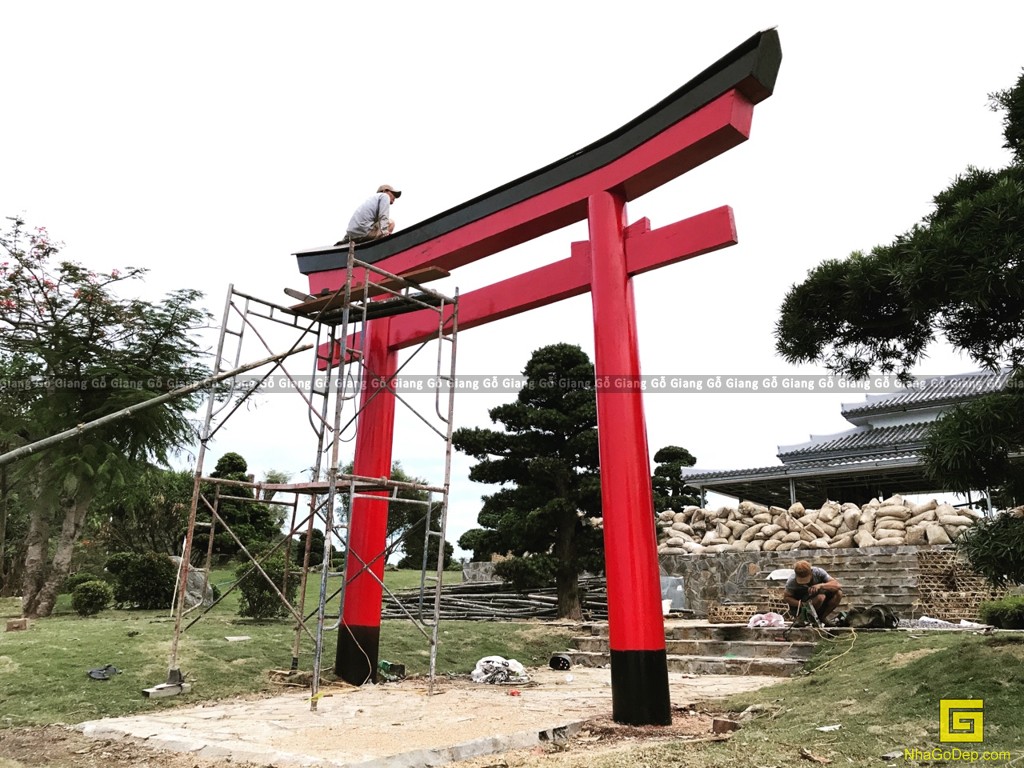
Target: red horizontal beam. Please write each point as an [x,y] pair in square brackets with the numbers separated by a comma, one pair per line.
[711,130]
[646,249]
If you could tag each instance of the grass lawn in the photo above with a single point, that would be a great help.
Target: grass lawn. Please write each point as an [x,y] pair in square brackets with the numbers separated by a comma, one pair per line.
[883,690]
[43,672]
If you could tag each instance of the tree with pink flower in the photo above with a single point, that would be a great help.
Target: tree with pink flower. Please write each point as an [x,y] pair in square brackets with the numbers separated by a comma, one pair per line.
[72,349]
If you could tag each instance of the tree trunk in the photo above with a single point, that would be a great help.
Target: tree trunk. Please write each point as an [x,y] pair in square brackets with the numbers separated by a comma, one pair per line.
[75,510]
[567,580]
[568,584]
[37,543]
[44,577]
[4,514]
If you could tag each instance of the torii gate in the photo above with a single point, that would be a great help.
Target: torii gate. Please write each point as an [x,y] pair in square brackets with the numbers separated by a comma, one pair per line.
[709,115]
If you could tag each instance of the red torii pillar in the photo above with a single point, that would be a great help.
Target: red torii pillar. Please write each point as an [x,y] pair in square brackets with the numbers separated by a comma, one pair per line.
[635,625]
[603,265]
[359,632]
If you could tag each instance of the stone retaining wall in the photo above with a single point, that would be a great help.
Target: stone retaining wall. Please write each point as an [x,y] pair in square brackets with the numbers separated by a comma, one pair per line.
[478,572]
[915,580]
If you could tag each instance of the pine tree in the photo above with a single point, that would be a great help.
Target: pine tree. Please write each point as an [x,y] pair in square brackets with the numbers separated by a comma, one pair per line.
[546,459]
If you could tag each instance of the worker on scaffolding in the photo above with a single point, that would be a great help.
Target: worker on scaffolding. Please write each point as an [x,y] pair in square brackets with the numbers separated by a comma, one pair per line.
[372,219]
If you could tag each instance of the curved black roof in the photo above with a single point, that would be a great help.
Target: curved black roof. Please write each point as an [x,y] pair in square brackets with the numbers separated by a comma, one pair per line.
[751,67]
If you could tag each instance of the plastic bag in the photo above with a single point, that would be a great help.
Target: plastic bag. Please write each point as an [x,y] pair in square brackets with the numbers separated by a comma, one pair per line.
[497,669]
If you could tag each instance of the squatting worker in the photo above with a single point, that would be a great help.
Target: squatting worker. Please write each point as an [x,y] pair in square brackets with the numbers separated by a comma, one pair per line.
[812,584]
[372,219]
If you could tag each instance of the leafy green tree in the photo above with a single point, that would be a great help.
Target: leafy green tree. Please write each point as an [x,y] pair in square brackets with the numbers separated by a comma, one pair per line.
[148,514]
[406,529]
[316,548]
[670,492]
[958,275]
[995,547]
[82,352]
[412,543]
[13,527]
[14,429]
[546,459]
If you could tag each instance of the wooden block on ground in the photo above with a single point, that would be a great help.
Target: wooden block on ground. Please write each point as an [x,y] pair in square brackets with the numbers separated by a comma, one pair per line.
[723,725]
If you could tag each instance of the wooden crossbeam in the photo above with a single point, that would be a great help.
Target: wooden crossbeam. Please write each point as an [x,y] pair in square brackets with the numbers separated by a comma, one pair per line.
[386,287]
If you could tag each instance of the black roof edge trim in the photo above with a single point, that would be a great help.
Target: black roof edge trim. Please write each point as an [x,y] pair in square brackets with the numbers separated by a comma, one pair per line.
[752,67]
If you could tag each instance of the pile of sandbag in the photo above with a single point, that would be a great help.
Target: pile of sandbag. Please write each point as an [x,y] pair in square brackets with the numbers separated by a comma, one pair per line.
[754,527]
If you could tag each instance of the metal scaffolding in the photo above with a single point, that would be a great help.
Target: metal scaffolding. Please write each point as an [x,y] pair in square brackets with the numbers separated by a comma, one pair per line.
[337,325]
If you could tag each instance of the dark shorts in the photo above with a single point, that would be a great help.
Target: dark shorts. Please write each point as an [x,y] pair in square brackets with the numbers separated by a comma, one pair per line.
[373,234]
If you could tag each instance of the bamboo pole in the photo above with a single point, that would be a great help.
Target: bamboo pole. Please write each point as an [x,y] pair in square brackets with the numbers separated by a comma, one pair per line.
[67,434]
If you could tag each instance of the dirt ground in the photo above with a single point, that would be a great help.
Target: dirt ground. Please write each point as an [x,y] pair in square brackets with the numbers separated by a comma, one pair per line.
[458,711]
[58,746]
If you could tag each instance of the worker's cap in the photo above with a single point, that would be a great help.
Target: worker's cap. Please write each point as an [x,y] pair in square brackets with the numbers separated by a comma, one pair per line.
[802,569]
[389,188]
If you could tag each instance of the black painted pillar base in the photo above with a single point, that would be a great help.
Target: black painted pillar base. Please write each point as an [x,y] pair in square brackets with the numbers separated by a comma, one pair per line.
[356,660]
[640,688]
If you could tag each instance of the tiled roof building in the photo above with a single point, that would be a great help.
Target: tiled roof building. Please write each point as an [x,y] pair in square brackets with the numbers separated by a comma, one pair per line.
[879,456]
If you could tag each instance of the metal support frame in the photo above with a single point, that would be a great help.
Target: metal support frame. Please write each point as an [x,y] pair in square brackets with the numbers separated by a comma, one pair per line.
[340,330]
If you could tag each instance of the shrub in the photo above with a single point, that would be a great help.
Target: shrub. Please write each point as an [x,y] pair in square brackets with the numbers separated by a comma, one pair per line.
[1007,613]
[75,579]
[316,549]
[144,581]
[91,597]
[258,600]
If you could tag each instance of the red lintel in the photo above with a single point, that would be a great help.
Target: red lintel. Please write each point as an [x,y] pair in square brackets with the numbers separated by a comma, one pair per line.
[646,249]
[710,131]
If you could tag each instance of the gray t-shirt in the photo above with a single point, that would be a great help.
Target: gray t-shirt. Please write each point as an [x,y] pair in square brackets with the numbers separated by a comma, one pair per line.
[799,591]
[376,209]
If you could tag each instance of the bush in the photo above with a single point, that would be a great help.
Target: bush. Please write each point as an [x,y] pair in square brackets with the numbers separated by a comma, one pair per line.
[75,579]
[91,597]
[316,549]
[1007,613]
[258,600]
[145,581]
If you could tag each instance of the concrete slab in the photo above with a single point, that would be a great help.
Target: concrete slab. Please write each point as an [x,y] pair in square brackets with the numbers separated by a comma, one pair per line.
[397,724]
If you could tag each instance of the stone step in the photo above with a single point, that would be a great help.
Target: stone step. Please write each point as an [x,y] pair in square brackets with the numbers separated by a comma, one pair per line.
[741,633]
[750,649]
[776,647]
[705,665]
[591,643]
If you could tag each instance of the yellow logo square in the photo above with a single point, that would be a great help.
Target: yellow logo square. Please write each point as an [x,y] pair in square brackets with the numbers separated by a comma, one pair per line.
[961,720]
